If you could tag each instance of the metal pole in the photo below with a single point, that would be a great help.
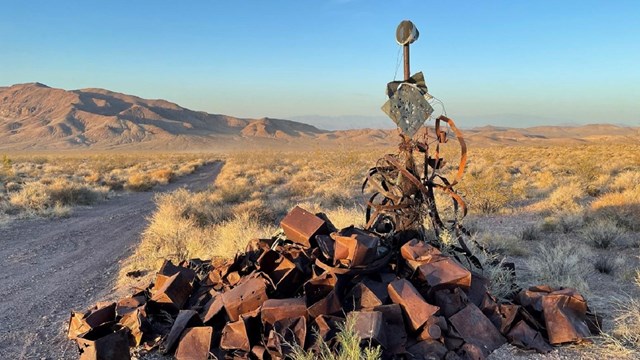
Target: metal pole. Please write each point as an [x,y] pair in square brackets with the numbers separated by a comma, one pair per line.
[405,54]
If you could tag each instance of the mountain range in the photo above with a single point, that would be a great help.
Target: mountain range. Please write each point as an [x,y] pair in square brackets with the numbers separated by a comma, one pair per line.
[34,116]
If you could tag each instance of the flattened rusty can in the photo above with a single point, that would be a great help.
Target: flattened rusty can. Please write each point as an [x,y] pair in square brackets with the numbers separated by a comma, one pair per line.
[278,309]
[354,247]
[369,326]
[394,328]
[80,323]
[565,316]
[195,343]
[185,319]
[235,337]
[300,226]
[416,309]
[444,272]
[174,292]
[523,336]
[105,342]
[477,329]
[247,296]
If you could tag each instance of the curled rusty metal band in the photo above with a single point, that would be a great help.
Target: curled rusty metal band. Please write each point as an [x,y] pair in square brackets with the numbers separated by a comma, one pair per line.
[392,201]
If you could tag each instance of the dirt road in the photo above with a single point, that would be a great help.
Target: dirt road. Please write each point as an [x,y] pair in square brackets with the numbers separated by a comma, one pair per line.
[50,266]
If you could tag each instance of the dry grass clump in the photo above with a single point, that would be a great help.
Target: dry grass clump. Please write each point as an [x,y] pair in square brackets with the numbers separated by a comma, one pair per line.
[622,207]
[51,198]
[603,233]
[531,232]
[626,323]
[350,346]
[561,264]
[49,184]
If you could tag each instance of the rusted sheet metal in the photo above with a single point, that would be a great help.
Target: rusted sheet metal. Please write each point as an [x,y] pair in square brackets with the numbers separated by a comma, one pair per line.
[185,319]
[80,323]
[450,301]
[564,311]
[327,326]
[478,289]
[286,332]
[278,309]
[354,247]
[329,305]
[417,310]
[106,342]
[327,246]
[212,308]
[129,304]
[394,328]
[477,329]
[247,296]
[195,343]
[369,326]
[444,272]
[168,269]
[137,323]
[522,335]
[319,286]
[472,351]
[362,296]
[300,226]
[174,291]
[431,330]
[282,271]
[416,252]
[427,350]
[565,316]
[235,337]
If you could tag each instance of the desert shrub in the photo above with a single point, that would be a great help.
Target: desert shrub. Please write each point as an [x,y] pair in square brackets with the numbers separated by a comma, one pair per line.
[530,232]
[37,197]
[602,233]
[139,182]
[623,208]
[564,199]
[485,194]
[604,265]
[636,278]
[350,346]
[626,180]
[161,176]
[626,323]
[503,244]
[233,235]
[561,264]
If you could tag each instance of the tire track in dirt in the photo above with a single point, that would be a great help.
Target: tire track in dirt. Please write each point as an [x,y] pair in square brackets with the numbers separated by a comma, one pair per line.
[50,266]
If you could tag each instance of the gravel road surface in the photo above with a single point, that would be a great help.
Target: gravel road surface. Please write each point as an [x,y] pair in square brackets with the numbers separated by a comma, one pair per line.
[50,266]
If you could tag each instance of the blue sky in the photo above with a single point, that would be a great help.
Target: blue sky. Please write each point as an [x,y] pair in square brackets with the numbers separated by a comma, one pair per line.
[513,63]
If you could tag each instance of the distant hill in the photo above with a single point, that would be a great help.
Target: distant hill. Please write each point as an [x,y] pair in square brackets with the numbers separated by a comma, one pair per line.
[37,117]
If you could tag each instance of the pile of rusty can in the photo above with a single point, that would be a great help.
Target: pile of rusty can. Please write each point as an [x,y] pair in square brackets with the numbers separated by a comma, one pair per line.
[414,302]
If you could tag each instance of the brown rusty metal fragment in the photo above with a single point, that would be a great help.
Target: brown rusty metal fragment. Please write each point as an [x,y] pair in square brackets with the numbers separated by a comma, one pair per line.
[362,296]
[195,343]
[354,247]
[80,323]
[106,342]
[565,316]
[523,336]
[394,328]
[185,319]
[417,310]
[278,309]
[129,304]
[329,305]
[300,226]
[137,323]
[369,326]
[212,308]
[246,297]
[235,337]
[477,329]
[174,292]
[427,350]
[444,272]
[416,252]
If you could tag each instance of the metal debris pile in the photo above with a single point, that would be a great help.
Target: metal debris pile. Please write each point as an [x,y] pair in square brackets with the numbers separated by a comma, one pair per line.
[414,301]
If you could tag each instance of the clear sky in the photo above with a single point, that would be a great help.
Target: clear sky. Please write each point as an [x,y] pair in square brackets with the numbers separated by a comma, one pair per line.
[514,63]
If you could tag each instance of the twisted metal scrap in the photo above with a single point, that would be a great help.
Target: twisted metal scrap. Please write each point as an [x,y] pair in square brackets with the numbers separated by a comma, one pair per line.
[403,197]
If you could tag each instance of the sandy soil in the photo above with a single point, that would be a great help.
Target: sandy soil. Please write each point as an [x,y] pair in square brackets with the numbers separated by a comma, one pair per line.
[50,266]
